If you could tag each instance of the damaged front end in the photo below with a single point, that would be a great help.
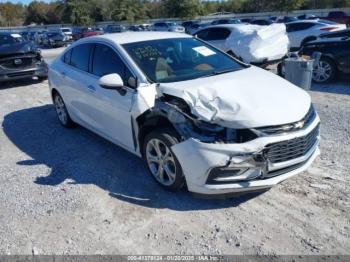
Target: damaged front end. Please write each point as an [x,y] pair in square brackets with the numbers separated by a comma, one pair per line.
[190,126]
[219,160]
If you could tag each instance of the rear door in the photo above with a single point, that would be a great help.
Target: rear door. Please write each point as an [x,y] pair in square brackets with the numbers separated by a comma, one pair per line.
[74,88]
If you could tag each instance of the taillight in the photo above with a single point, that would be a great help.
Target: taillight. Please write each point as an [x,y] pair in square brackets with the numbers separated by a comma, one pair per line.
[329,28]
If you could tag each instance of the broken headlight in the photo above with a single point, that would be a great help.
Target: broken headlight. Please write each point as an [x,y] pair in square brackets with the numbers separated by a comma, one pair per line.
[189,126]
[212,133]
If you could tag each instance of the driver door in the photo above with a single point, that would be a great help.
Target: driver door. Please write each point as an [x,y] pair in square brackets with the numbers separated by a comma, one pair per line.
[111,108]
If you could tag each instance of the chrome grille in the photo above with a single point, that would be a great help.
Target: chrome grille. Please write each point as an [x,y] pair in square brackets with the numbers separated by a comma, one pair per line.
[25,62]
[275,130]
[291,149]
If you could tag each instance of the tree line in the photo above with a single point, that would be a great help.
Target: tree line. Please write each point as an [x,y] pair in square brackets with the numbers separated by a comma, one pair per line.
[87,12]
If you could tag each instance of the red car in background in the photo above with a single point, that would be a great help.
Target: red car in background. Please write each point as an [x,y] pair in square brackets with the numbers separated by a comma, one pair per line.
[86,32]
[340,17]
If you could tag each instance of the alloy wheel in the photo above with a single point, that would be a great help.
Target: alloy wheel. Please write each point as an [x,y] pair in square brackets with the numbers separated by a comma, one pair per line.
[322,72]
[161,161]
[61,110]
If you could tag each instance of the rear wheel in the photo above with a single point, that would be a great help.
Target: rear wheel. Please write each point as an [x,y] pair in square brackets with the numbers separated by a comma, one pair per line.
[161,161]
[62,112]
[324,71]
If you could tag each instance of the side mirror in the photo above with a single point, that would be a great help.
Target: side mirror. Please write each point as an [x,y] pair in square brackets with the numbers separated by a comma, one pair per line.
[111,81]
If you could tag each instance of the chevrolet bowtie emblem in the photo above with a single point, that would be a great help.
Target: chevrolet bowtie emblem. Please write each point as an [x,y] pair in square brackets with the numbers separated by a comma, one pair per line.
[299,125]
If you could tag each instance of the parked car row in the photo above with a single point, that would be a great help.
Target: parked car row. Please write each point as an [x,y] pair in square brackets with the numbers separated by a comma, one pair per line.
[306,36]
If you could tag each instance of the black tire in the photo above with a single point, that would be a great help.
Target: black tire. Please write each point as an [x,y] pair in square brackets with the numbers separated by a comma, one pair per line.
[169,137]
[67,120]
[333,71]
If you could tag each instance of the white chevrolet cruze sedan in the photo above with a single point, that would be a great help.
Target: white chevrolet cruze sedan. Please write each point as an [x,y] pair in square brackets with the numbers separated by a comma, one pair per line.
[193,113]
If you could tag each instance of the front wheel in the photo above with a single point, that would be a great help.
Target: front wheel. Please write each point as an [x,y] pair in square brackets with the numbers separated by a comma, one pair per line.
[324,71]
[62,112]
[161,161]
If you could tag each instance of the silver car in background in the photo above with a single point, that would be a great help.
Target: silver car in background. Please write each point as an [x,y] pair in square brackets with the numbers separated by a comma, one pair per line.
[168,27]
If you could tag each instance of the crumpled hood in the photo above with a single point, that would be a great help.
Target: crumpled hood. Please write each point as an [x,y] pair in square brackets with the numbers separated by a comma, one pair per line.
[247,98]
[18,48]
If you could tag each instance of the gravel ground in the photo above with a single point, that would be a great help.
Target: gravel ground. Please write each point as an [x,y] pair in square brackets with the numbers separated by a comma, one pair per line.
[71,192]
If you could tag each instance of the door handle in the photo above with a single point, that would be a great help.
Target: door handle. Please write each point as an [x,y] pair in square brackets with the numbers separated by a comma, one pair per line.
[91,88]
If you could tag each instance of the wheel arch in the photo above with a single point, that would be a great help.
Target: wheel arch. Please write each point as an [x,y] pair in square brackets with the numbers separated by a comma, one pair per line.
[307,39]
[149,121]
[54,91]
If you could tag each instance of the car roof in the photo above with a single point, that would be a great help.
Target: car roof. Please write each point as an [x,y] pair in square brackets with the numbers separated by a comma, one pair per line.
[133,37]
[304,21]
[230,26]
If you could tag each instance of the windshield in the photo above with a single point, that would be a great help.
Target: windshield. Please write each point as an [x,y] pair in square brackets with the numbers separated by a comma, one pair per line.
[66,30]
[180,59]
[10,39]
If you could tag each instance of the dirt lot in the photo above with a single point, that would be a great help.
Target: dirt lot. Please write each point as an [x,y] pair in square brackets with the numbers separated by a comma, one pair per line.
[71,192]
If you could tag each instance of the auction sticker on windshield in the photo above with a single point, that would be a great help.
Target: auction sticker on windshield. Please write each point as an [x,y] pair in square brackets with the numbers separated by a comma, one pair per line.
[204,51]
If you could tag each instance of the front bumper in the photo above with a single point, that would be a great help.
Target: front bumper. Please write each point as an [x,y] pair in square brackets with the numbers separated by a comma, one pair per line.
[198,159]
[57,43]
[39,69]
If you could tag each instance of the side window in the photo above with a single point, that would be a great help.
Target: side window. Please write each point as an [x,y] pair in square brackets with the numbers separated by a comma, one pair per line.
[106,61]
[67,56]
[300,26]
[223,33]
[218,34]
[306,26]
[204,34]
[80,57]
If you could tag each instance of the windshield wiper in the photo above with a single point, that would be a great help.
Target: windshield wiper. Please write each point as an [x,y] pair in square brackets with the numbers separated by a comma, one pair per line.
[214,73]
